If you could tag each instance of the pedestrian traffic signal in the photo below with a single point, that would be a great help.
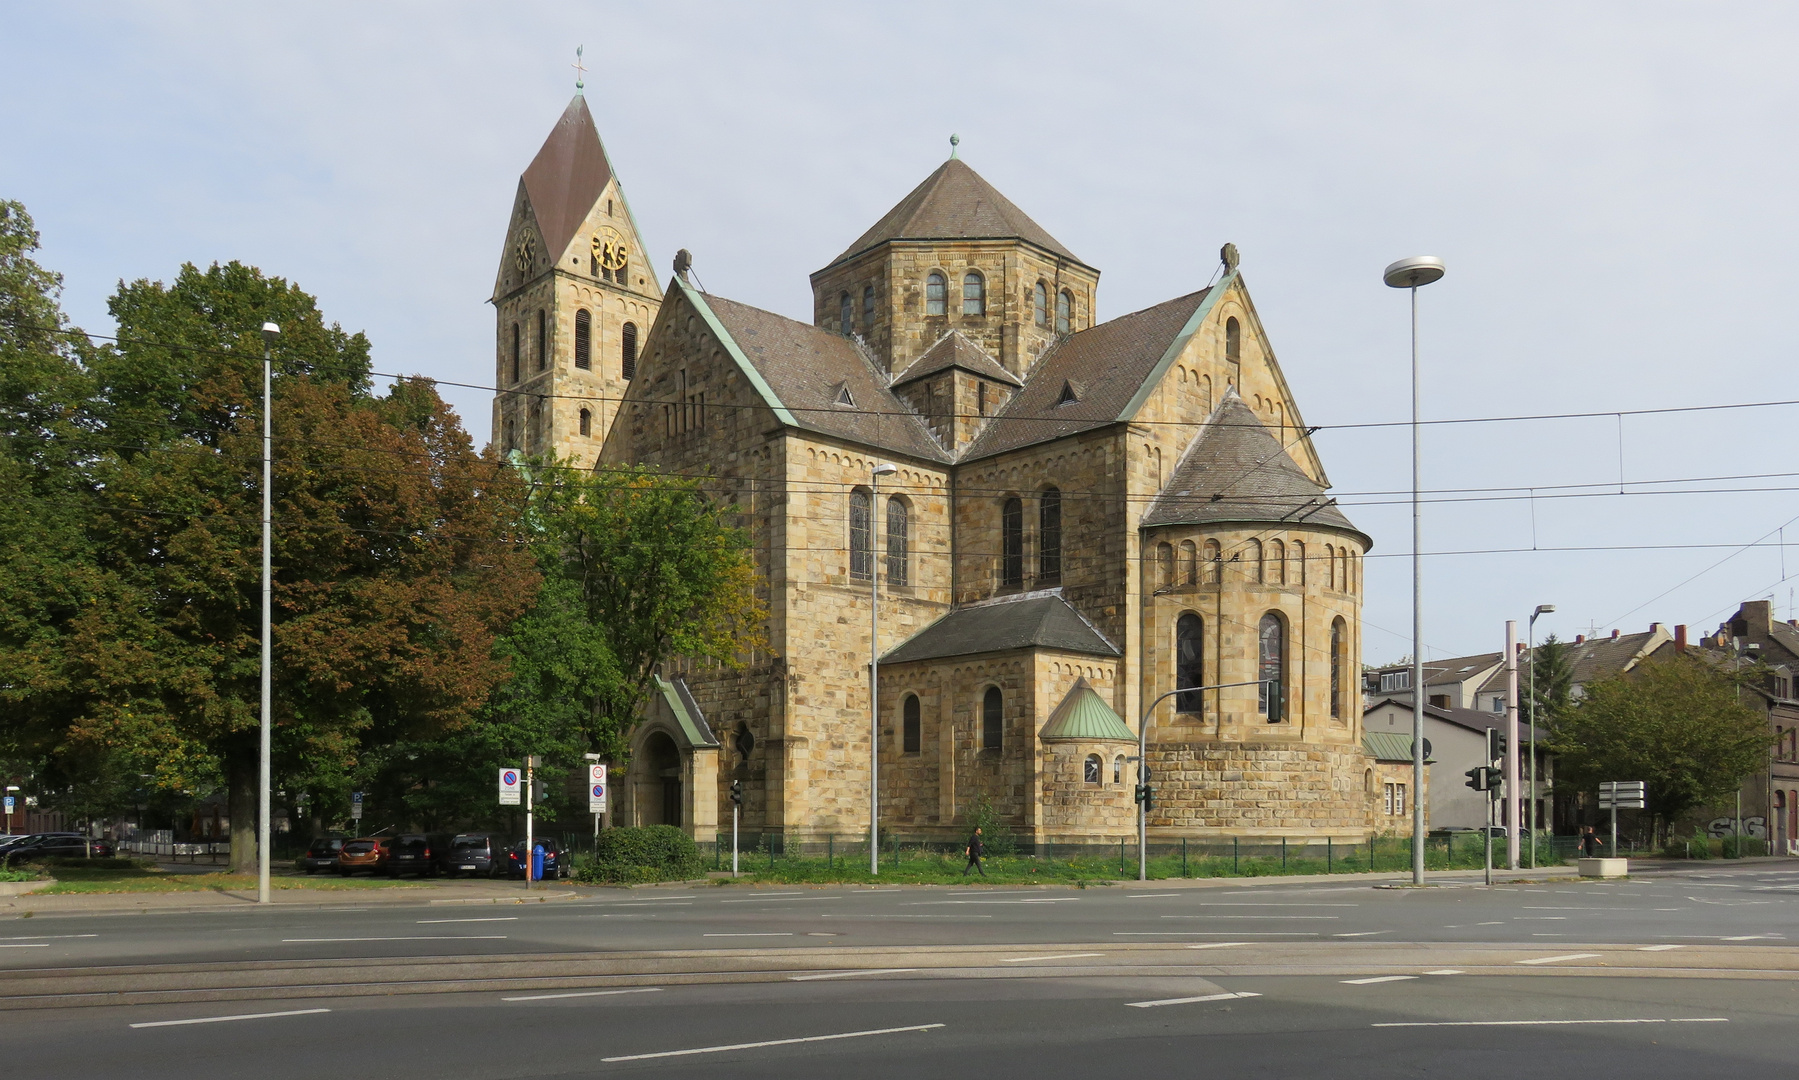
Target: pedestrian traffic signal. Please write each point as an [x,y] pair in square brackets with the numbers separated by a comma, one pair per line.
[1495,744]
[737,792]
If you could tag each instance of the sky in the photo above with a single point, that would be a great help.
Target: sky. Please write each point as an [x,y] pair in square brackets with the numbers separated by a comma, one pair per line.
[1611,187]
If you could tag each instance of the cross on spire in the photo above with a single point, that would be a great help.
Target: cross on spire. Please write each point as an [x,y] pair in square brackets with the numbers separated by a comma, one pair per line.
[580,70]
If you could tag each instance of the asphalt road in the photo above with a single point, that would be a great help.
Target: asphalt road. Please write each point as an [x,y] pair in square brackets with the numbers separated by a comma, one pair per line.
[1690,973]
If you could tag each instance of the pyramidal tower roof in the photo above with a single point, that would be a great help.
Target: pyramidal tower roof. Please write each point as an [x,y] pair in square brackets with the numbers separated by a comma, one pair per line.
[567,176]
[955,203]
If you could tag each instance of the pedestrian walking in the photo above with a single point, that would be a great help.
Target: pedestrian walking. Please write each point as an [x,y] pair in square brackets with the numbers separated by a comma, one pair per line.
[1589,842]
[976,851]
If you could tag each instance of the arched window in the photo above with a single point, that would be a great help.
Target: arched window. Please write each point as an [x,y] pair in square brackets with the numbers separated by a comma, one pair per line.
[517,353]
[868,308]
[861,559]
[586,422]
[1164,565]
[1189,662]
[936,294]
[1093,770]
[1212,554]
[1040,306]
[583,339]
[1252,552]
[898,547]
[974,294]
[1339,654]
[1011,542]
[510,442]
[846,315]
[543,340]
[1064,312]
[1352,572]
[1298,557]
[1049,535]
[1271,696]
[627,337]
[1189,563]
[1118,769]
[1330,566]
[1233,342]
[993,725]
[1277,562]
[910,738]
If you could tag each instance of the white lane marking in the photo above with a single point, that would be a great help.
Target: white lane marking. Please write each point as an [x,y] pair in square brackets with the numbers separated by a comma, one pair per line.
[840,915]
[587,993]
[45,937]
[1214,933]
[849,974]
[778,899]
[1500,923]
[1237,903]
[1378,979]
[1217,944]
[1660,948]
[1527,1023]
[1539,918]
[1559,959]
[1751,937]
[458,937]
[772,1042]
[1211,916]
[1189,1000]
[1446,971]
[39,945]
[491,918]
[747,935]
[1149,896]
[1060,956]
[1043,900]
[222,1019]
[1363,933]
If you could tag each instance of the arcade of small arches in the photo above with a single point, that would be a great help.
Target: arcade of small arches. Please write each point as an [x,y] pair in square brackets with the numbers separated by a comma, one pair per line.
[1270,562]
[857,315]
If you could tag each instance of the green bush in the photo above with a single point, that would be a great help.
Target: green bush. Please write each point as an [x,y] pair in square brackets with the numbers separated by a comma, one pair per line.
[1742,847]
[19,875]
[641,854]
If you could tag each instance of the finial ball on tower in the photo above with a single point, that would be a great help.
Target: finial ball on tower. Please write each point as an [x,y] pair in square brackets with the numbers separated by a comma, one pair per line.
[954,141]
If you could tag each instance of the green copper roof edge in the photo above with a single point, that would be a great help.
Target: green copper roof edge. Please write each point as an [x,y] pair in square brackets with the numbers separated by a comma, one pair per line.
[1180,342]
[1081,700]
[679,708]
[769,398]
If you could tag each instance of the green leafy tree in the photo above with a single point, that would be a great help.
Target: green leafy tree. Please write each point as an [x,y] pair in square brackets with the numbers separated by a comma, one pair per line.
[1677,724]
[1553,660]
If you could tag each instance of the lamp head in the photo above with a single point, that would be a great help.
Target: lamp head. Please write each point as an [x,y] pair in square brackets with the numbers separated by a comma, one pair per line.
[1413,272]
[1542,609]
[270,331]
[886,468]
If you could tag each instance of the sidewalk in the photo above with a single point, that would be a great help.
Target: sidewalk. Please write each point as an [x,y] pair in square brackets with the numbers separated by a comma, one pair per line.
[424,892]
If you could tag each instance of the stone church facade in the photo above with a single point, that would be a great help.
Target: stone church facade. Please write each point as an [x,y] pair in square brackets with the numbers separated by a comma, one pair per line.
[1081,517]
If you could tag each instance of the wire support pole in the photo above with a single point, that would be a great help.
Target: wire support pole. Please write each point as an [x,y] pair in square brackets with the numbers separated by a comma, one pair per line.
[1417,628]
[268,538]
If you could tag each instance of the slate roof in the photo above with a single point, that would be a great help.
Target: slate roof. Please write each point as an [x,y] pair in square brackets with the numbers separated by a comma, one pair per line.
[1236,470]
[954,350]
[806,367]
[567,175]
[955,203]
[1109,363]
[1035,620]
[1083,714]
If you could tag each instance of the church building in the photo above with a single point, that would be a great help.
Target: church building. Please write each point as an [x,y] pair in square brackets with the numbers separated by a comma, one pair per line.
[1064,520]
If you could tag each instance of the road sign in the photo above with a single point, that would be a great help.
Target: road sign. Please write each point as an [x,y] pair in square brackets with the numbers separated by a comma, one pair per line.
[596,789]
[510,787]
[9,804]
[356,806]
[1622,795]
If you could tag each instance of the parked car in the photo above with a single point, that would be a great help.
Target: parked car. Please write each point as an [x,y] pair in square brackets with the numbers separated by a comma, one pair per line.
[45,846]
[321,854]
[410,853]
[364,853]
[553,863]
[481,854]
[100,848]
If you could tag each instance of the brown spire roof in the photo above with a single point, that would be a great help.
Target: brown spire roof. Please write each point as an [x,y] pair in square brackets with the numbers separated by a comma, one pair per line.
[954,203]
[567,176]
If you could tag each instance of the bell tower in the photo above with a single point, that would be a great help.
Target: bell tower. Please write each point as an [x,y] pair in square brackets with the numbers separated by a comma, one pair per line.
[574,298]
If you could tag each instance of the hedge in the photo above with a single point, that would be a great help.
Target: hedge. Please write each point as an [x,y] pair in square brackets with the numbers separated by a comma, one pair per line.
[640,854]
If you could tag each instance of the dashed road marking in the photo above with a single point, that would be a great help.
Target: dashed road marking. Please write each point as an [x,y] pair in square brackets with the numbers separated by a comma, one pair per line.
[1378,979]
[222,1019]
[1060,956]
[587,993]
[846,975]
[1189,1000]
[1559,959]
[773,1042]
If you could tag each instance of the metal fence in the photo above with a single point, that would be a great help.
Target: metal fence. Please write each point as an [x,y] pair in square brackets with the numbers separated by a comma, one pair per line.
[153,847]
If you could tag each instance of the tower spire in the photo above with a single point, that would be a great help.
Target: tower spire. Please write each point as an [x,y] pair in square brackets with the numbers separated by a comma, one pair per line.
[580,71]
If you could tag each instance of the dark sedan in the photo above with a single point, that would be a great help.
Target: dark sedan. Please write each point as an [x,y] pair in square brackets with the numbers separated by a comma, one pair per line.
[553,863]
[321,854]
[410,854]
[45,846]
[478,854]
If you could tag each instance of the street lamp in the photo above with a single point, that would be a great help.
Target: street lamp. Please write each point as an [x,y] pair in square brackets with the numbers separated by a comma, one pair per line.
[1143,767]
[1530,650]
[885,468]
[1410,274]
[270,332]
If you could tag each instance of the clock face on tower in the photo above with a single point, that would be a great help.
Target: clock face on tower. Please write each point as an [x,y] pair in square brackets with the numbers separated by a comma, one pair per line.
[525,255]
[610,254]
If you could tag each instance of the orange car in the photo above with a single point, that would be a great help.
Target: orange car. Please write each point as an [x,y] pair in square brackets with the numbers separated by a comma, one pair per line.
[369,853]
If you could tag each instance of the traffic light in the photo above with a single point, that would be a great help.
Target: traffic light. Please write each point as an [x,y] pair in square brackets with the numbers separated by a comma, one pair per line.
[1495,744]
[1146,795]
[1477,778]
[1495,781]
[539,793]
[737,792]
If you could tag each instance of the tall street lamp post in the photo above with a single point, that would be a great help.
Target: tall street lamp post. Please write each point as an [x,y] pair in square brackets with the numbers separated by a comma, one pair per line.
[1143,767]
[1410,274]
[885,468]
[270,332]
[1530,650]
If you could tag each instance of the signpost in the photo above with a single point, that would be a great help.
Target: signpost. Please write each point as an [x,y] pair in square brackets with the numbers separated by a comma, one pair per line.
[9,813]
[1616,795]
[509,787]
[355,806]
[530,765]
[596,795]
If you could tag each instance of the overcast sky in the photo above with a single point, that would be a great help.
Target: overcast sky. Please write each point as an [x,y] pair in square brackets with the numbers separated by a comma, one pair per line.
[1612,187]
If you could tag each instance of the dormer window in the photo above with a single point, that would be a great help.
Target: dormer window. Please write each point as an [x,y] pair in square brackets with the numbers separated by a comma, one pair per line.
[1070,394]
[936,294]
[974,294]
[1040,306]
[844,397]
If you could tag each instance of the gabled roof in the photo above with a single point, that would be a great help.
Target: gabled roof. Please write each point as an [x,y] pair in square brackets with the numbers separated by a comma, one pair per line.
[953,350]
[955,203]
[1083,714]
[1475,720]
[685,711]
[1236,470]
[1112,361]
[1034,620]
[1455,668]
[802,372]
[1389,746]
[567,176]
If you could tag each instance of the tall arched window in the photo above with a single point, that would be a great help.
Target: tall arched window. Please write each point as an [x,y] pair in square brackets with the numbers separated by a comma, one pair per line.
[1049,535]
[910,738]
[1189,563]
[1164,565]
[1252,553]
[974,294]
[1118,770]
[1298,556]
[1212,554]
[1093,770]
[993,723]
[1189,662]
[1040,306]
[861,559]
[1064,312]
[1271,696]
[846,315]
[1352,572]
[936,294]
[517,353]
[583,339]
[1233,342]
[543,339]
[1011,542]
[898,540]
[510,442]
[627,337]
[868,308]
[1277,562]
[586,422]
[1339,654]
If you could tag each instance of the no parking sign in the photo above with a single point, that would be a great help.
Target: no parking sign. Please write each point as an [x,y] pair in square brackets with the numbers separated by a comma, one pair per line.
[596,789]
[509,787]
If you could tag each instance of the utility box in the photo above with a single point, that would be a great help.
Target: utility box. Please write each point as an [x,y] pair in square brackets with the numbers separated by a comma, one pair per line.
[1604,868]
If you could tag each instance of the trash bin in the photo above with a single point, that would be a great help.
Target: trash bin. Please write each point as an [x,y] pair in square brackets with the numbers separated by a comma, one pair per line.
[537,862]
